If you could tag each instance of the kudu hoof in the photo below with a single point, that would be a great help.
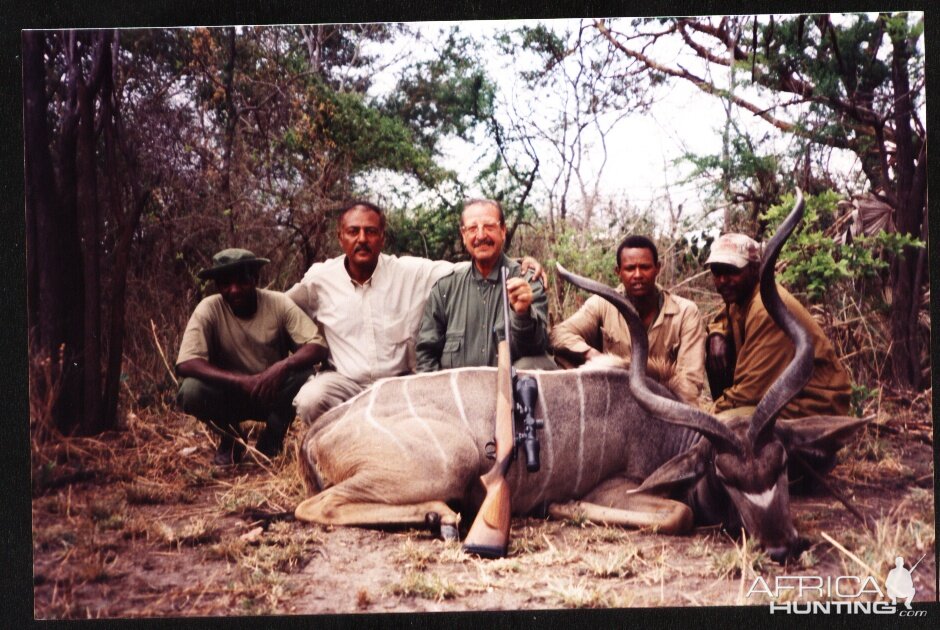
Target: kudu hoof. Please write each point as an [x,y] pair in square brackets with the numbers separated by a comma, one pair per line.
[444,531]
[433,522]
[449,533]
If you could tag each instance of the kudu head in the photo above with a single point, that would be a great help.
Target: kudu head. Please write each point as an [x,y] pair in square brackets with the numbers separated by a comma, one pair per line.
[750,458]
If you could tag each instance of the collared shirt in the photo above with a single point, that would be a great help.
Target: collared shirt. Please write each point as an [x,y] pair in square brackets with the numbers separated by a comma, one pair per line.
[370,327]
[247,346]
[462,313]
[676,339]
[764,350]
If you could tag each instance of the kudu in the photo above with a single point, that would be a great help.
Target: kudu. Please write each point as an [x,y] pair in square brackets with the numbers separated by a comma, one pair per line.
[410,449]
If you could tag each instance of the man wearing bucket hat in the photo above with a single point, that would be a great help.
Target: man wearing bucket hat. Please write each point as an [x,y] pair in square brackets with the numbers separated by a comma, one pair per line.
[244,354]
[746,351]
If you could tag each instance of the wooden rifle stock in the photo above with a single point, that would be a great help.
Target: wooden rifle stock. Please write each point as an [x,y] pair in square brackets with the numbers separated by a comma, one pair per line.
[489,534]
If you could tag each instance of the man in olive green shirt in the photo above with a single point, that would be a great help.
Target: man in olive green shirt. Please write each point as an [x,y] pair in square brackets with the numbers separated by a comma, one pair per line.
[748,351]
[244,354]
[464,309]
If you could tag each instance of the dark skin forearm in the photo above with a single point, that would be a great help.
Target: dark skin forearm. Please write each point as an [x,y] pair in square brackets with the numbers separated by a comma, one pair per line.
[263,386]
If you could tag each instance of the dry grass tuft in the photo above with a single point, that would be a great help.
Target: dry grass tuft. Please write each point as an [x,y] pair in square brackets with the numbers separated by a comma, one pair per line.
[197,531]
[415,557]
[744,560]
[363,599]
[416,583]
[580,595]
[903,532]
[622,563]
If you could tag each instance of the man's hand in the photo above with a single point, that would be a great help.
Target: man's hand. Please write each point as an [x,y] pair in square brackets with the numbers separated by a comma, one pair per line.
[520,295]
[266,385]
[538,273]
[716,354]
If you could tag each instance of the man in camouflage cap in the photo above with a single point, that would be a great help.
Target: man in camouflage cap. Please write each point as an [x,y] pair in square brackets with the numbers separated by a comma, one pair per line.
[245,353]
[746,351]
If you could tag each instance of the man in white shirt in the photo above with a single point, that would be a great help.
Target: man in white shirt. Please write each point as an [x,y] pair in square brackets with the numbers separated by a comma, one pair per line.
[368,304]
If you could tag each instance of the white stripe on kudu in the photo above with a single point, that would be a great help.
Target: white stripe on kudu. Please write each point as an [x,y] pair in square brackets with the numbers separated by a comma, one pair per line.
[370,418]
[457,399]
[763,499]
[606,421]
[548,454]
[424,425]
[577,482]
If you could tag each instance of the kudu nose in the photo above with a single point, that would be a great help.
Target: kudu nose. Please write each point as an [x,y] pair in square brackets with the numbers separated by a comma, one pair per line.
[779,554]
[789,550]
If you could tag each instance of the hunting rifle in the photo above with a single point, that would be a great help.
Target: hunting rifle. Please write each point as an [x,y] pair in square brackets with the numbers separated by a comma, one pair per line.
[489,534]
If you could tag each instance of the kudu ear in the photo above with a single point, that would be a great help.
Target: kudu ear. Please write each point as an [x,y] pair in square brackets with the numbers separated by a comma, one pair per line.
[818,433]
[679,474]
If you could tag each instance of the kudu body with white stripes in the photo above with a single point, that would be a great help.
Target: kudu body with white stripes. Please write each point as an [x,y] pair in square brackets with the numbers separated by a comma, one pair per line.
[411,449]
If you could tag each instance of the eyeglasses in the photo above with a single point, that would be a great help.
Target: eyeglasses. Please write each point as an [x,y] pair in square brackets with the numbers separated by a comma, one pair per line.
[353,231]
[488,228]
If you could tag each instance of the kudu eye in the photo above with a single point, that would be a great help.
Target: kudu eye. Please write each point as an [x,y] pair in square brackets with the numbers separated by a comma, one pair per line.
[726,468]
[776,455]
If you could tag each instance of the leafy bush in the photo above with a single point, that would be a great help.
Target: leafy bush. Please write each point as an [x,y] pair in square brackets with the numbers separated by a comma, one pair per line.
[815,263]
[849,279]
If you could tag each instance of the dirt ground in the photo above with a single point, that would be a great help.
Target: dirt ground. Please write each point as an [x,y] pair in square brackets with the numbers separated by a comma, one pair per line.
[138,523]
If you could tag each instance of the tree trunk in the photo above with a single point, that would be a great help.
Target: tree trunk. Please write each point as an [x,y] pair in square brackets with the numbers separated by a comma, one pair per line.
[53,252]
[128,226]
[905,294]
[231,115]
[87,203]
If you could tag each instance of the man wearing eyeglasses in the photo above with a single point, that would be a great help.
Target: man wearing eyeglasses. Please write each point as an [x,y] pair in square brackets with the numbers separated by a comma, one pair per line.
[465,308]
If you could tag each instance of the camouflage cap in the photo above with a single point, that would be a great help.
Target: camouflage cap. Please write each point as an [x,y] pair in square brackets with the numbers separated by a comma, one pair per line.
[736,250]
[229,259]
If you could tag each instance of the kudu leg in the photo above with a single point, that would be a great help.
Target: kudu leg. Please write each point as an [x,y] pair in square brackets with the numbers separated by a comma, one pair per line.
[331,508]
[610,504]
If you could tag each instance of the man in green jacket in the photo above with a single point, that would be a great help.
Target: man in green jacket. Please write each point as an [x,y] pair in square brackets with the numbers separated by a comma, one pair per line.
[465,308]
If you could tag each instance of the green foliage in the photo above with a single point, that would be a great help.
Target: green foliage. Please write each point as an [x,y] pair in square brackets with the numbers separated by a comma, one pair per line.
[815,262]
[861,396]
[587,256]
[689,255]
[745,174]
[372,139]
[584,254]
[448,95]
[426,231]
[548,47]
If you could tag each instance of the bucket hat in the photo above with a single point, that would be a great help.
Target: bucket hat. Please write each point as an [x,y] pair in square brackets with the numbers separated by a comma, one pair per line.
[229,259]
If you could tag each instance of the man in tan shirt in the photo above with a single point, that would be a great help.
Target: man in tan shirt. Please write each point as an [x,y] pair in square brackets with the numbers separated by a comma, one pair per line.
[743,363]
[674,325]
[244,354]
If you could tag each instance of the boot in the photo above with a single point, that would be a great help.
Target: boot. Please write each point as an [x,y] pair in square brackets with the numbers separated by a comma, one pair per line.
[229,451]
[271,441]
